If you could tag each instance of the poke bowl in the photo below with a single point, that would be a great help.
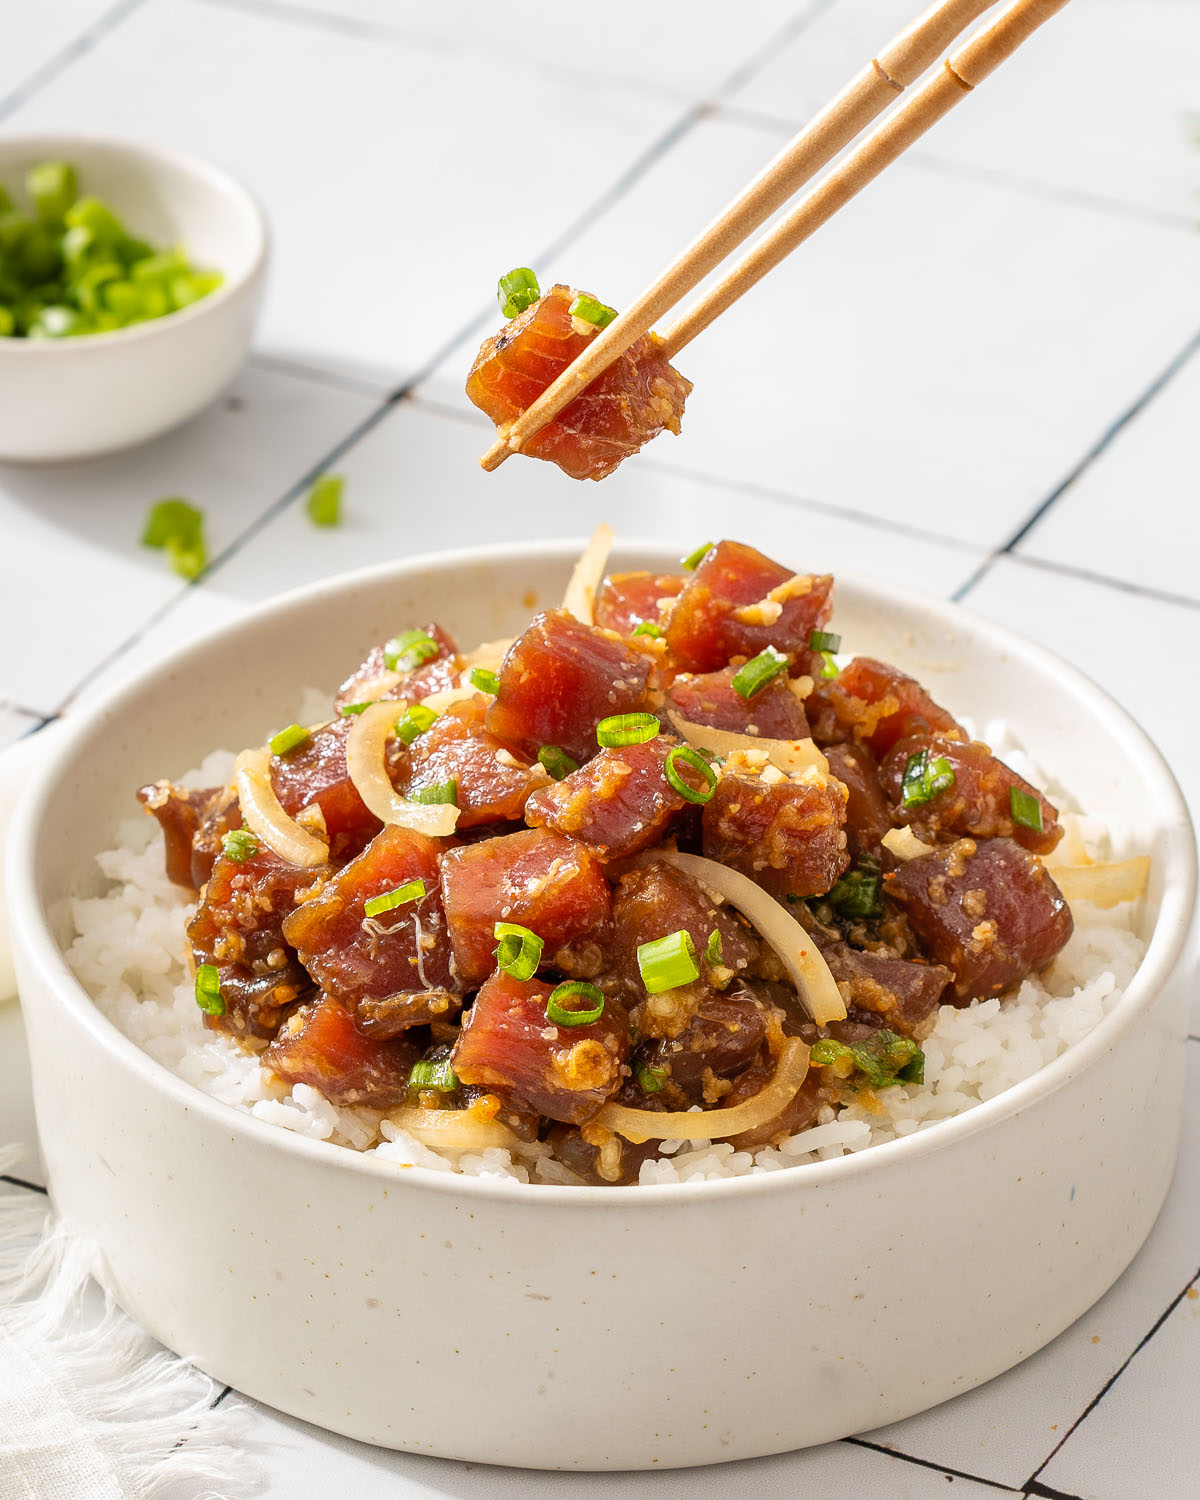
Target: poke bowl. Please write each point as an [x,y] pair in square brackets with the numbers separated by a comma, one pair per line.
[698,1321]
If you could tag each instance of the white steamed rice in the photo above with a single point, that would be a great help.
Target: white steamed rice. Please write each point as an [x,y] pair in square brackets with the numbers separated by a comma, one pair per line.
[128,953]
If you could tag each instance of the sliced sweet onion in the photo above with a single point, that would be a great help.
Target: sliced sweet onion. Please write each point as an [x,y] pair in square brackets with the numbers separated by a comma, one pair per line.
[263,814]
[580,597]
[366,762]
[452,1129]
[489,654]
[444,697]
[787,755]
[639,1125]
[903,844]
[370,689]
[1103,884]
[797,952]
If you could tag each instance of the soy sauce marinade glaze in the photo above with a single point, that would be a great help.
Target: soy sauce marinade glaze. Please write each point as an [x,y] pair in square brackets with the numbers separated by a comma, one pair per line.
[486,899]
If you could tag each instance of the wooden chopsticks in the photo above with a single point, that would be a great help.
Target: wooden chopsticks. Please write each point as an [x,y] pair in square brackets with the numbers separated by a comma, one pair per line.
[840,122]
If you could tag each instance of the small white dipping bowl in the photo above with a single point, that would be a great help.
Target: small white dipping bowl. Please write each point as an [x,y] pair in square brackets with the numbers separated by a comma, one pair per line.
[597,1328]
[80,397]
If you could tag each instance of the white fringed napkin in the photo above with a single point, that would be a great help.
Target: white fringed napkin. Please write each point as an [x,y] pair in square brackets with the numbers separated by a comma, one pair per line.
[91,1408]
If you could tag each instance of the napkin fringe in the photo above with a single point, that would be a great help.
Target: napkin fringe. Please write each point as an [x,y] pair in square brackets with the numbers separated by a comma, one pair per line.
[146,1418]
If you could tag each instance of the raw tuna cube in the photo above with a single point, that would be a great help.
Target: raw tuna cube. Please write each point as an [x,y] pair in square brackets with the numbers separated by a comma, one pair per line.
[786,834]
[988,910]
[320,1045]
[873,702]
[315,774]
[616,804]
[720,1041]
[535,879]
[188,819]
[627,600]
[868,816]
[901,993]
[775,711]
[564,1072]
[374,679]
[492,783]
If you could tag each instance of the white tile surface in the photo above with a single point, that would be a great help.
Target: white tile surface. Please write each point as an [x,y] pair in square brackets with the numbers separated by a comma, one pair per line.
[1122,517]
[17,1126]
[75,581]
[933,354]
[14,722]
[1101,101]
[36,35]
[393,213]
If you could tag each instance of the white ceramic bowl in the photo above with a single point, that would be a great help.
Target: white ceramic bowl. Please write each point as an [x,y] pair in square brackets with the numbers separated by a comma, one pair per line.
[597,1328]
[80,397]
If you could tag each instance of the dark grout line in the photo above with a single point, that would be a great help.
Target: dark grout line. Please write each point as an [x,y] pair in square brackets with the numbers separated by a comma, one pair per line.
[1089,458]
[78,47]
[1044,1492]
[787,33]
[1106,580]
[33,1187]
[215,1403]
[927,1463]
[1107,1386]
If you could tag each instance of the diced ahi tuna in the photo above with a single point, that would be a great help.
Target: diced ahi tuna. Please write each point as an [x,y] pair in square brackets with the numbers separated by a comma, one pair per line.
[238,927]
[320,1045]
[989,911]
[725,611]
[636,398]
[659,899]
[868,816]
[874,702]
[492,782]
[560,679]
[180,814]
[901,993]
[612,1162]
[978,804]
[616,804]
[314,774]
[535,879]
[787,835]
[626,600]
[798,1114]
[774,712]
[507,1044]
[720,1041]
[405,949]
[375,679]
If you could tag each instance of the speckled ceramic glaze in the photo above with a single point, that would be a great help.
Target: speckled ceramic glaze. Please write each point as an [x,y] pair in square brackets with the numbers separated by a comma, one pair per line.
[582,1328]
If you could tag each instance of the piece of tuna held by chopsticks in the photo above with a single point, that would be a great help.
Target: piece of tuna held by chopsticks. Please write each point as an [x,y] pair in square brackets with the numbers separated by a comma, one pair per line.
[633,400]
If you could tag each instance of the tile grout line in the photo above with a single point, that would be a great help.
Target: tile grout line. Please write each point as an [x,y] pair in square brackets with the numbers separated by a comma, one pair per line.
[928,1463]
[1096,451]
[1110,1382]
[78,47]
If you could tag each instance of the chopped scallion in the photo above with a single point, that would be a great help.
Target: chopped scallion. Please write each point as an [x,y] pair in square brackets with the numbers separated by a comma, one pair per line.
[648,627]
[442,791]
[824,640]
[324,503]
[556,761]
[1026,809]
[923,778]
[713,955]
[485,681]
[409,649]
[516,290]
[692,758]
[668,962]
[287,739]
[650,1080]
[208,990]
[829,668]
[239,844]
[753,676]
[562,1013]
[429,1074]
[856,894]
[414,721]
[884,1058]
[412,890]
[177,527]
[348,710]
[693,560]
[588,310]
[627,729]
[519,952]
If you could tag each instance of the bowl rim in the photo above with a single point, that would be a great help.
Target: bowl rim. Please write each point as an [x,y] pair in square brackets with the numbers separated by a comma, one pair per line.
[32,930]
[182,163]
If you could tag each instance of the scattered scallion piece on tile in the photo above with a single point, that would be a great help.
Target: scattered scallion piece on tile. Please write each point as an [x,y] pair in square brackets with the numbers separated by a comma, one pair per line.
[176,526]
[324,502]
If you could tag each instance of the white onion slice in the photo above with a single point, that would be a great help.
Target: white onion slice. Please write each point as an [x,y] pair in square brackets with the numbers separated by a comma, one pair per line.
[1103,884]
[264,816]
[903,844]
[797,952]
[452,1129]
[788,755]
[639,1125]
[580,597]
[489,654]
[366,762]
[445,697]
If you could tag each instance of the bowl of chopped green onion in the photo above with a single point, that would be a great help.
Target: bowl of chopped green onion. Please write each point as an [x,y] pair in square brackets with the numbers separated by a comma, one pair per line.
[130,278]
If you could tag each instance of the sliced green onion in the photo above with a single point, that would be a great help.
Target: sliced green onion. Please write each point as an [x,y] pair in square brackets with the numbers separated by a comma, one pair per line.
[287,739]
[883,1058]
[409,649]
[590,311]
[923,778]
[829,668]
[1026,809]
[412,890]
[668,962]
[433,1075]
[441,791]
[856,894]
[519,952]
[516,290]
[53,186]
[627,729]
[485,681]
[824,640]
[556,761]
[753,676]
[558,1011]
[239,844]
[208,990]
[414,721]
[648,627]
[693,560]
[324,503]
[698,764]
[713,955]
[348,710]
[177,527]
[650,1080]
